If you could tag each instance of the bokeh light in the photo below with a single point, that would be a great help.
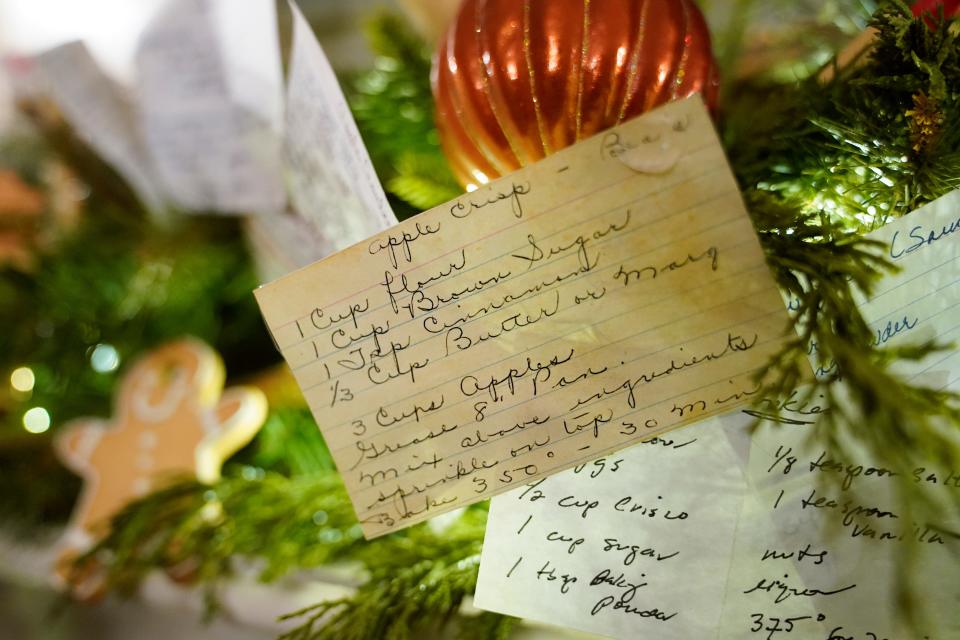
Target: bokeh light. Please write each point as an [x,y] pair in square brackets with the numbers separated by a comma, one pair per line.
[22,379]
[36,420]
[104,358]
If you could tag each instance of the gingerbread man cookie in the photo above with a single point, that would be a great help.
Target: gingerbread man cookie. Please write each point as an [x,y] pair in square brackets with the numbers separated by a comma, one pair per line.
[172,417]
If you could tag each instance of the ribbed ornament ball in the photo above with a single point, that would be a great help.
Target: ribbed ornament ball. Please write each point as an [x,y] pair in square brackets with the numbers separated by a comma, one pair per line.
[516,80]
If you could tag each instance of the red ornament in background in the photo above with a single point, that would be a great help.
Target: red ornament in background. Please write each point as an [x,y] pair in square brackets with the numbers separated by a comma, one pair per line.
[950,8]
[516,80]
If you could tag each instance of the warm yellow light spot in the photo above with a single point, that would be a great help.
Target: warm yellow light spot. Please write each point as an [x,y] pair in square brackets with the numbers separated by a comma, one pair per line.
[553,54]
[621,58]
[36,420]
[22,379]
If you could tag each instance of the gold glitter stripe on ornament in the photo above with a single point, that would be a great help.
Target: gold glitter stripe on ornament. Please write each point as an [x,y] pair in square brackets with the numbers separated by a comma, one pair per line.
[463,121]
[634,60]
[685,56]
[533,81]
[480,31]
[584,46]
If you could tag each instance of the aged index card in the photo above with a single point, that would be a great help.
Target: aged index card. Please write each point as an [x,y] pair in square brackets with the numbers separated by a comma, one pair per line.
[602,296]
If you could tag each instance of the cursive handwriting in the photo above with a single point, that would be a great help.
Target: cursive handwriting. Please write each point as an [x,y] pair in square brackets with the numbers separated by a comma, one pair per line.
[471,385]
[372,451]
[652,271]
[782,591]
[387,419]
[734,343]
[457,338]
[520,425]
[922,237]
[536,253]
[319,321]
[392,243]
[460,210]
[415,287]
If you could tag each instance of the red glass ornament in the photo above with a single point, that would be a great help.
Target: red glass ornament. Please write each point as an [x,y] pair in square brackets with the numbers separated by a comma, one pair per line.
[516,80]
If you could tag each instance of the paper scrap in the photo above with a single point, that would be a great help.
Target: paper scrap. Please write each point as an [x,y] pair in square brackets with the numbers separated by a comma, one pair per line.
[611,547]
[922,301]
[827,563]
[211,149]
[557,314]
[249,43]
[822,561]
[336,198]
[333,185]
[757,556]
[282,243]
[804,563]
[101,113]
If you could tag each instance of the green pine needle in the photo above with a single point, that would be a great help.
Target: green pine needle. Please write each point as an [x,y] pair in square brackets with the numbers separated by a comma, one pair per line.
[423,180]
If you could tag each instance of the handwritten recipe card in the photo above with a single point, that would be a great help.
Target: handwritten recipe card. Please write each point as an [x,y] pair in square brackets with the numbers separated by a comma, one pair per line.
[921,301]
[602,296]
[634,545]
[712,532]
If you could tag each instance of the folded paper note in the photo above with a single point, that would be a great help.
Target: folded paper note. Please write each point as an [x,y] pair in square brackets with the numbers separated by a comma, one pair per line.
[334,192]
[642,543]
[606,294]
[102,114]
[210,107]
[634,545]
[333,185]
[201,126]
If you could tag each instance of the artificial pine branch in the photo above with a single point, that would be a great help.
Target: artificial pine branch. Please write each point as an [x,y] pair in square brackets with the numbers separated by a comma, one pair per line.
[416,580]
[422,180]
[288,523]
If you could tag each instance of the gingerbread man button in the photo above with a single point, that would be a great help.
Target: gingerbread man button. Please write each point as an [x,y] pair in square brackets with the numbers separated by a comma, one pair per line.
[172,417]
